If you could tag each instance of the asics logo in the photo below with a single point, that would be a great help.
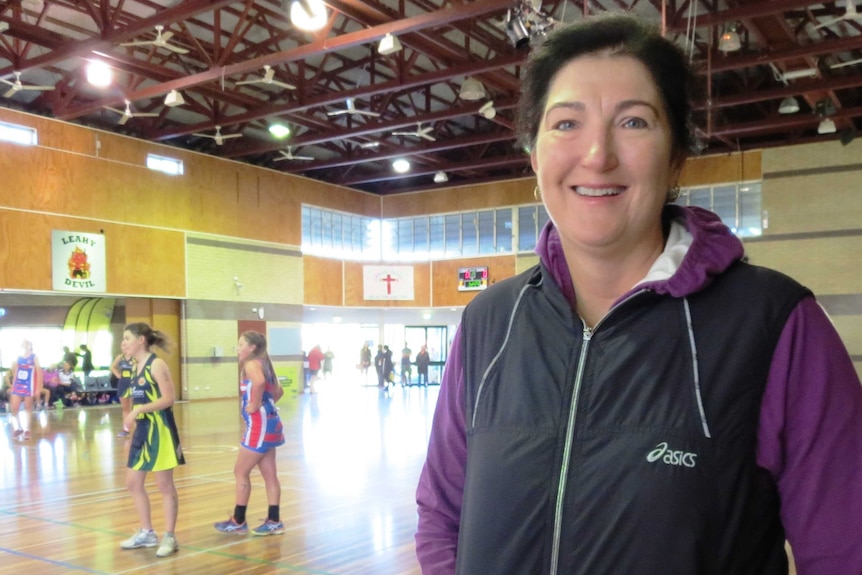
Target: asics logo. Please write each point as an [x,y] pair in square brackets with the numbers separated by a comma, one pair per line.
[670,456]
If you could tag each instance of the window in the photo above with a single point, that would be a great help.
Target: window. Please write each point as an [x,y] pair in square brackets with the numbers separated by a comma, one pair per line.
[469,234]
[453,235]
[18,134]
[503,231]
[527,228]
[169,166]
[486,232]
[738,205]
[336,234]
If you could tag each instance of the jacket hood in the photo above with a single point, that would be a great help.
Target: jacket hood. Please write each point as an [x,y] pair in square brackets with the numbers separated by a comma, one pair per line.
[698,248]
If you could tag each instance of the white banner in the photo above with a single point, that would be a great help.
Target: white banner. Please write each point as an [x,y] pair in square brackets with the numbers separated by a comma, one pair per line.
[78,261]
[387,282]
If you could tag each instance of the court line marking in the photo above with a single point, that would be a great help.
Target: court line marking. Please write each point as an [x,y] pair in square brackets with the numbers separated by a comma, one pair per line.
[52,561]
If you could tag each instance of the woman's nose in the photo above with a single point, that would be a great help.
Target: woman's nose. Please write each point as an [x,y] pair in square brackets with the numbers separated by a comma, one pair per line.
[600,153]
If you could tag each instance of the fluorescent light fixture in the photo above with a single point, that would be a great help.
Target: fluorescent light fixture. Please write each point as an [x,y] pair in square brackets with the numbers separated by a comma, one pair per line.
[174,99]
[796,74]
[308,15]
[279,131]
[4,26]
[472,89]
[401,166]
[389,45]
[487,110]
[440,177]
[788,105]
[729,41]
[827,126]
[99,74]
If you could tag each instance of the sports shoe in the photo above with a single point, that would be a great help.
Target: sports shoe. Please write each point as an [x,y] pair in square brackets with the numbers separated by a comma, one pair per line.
[269,527]
[231,526]
[142,538]
[168,547]
[123,433]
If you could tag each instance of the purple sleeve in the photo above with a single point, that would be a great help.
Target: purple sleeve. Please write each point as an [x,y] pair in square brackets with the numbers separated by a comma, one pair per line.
[441,485]
[810,439]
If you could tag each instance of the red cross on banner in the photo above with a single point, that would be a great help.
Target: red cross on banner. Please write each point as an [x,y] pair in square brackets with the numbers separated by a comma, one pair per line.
[387,282]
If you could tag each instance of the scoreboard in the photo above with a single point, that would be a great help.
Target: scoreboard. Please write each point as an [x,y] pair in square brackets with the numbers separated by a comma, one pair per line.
[472,279]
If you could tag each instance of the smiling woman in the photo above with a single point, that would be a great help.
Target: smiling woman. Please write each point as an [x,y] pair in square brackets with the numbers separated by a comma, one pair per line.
[643,387]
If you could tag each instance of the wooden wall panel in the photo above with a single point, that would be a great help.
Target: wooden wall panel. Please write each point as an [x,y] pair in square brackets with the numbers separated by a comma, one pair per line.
[480,197]
[446,292]
[139,260]
[724,168]
[323,281]
[67,174]
[353,296]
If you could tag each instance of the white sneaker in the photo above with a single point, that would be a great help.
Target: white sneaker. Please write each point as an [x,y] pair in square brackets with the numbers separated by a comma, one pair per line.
[168,547]
[142,538]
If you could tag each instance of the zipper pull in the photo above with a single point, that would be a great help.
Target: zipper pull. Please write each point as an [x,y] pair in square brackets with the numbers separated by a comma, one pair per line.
[588,333]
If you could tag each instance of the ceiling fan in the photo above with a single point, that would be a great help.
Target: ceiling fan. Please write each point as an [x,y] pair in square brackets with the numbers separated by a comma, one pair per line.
[351,109]
[268,78]
[420,132]
[288,155]
[161,41]
[127,114]
[17,86]
[850,14]
[218,136]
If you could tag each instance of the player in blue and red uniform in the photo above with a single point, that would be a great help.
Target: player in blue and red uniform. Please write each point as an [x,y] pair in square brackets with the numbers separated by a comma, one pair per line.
[26,384]
[259,391]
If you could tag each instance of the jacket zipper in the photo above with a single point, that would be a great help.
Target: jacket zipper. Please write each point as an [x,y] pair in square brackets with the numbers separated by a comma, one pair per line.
[570,431]
[570,434]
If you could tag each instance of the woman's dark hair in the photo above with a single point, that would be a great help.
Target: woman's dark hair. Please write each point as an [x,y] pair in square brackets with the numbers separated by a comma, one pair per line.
[617,34]
[152,336]
[258,340]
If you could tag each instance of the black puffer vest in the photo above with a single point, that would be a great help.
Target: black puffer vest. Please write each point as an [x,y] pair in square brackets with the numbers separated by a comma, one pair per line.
[626,449]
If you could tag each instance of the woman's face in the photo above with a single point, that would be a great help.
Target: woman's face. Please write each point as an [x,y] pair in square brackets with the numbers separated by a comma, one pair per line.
[244,349]
[603,154]
[131,343]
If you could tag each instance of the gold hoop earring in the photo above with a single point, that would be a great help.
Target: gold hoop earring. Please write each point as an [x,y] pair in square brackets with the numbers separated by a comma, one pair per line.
[673,194]
[537,193]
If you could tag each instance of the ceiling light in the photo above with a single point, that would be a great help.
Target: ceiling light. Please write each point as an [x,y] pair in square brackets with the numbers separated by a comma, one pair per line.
[389,44]
[729,41]
[788,105]
[4,26]
[401,165]
[472,89]
[440,177]
[99,74]
[802,73]
[279,131]
[517,31]
[487,110]
[827,126]
[308,15]
[174,98]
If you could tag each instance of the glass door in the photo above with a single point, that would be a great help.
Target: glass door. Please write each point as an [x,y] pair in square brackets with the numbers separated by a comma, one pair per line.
[436,338]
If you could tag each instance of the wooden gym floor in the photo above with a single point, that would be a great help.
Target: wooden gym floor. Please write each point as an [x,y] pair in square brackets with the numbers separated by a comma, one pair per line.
[348,474]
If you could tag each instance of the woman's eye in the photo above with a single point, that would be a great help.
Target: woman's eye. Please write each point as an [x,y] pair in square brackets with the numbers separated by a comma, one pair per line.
[635,123]
[564,125]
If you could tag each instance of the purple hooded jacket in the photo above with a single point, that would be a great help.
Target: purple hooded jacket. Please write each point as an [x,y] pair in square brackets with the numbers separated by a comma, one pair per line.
[809,433]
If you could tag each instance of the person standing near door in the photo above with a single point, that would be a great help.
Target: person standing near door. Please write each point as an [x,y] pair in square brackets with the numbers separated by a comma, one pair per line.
[422,361]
